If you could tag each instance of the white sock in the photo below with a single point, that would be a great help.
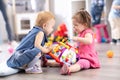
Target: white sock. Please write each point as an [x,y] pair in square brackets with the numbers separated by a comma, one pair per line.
[34,61]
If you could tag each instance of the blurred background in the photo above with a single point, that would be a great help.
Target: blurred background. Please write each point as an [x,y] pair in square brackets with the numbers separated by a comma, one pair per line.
[22,14]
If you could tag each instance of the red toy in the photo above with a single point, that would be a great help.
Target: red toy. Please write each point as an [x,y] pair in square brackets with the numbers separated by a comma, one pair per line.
[61,31]
[62,52]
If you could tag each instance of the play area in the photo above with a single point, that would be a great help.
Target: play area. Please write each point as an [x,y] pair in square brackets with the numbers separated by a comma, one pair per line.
[59,40]
[65,53]
[109,67]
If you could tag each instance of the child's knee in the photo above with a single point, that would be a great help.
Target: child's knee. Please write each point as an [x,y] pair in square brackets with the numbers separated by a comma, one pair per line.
[84,64]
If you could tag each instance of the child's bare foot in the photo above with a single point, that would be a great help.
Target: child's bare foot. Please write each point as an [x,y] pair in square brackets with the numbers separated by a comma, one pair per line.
[65,70]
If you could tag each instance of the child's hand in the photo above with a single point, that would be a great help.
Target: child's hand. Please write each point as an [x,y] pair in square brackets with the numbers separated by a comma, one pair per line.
[75,38]
[48,49]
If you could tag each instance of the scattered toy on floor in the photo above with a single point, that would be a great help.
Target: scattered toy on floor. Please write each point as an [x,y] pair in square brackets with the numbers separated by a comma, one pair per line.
[10,49]
[110,53]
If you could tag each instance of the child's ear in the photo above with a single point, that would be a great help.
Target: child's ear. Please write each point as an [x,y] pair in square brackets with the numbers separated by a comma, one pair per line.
[44,25]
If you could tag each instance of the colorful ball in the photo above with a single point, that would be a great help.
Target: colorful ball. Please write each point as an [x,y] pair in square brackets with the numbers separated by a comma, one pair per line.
[110,54]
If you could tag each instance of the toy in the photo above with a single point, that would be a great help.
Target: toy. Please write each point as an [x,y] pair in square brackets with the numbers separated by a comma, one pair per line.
[61,31]
[63,53]
[103,40]
[10,50]
[110,54]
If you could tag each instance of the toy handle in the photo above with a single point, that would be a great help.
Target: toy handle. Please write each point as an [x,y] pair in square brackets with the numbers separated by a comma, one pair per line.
[54,57]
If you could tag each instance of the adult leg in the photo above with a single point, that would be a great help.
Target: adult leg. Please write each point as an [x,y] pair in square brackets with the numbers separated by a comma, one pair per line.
[117,20]
[114,28]
[4,13]
[5,70]
[98,13]
[93,15]
[98,18]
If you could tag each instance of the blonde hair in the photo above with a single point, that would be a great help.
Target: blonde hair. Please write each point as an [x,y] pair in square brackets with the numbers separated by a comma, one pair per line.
[43,17]
[83,17]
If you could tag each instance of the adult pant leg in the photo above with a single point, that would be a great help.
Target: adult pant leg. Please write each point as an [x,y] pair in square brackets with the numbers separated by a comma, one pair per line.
[5,70]
[5,16]
[115,27]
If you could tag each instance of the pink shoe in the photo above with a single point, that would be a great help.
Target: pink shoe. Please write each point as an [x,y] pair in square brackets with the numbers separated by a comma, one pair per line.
[65,70]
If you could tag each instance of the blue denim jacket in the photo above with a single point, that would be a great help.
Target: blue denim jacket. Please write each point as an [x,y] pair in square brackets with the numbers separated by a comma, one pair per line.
[26,51]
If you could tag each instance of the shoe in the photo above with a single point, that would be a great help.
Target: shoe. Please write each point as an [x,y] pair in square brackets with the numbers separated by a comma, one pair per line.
[65,70]
[118,42]
[34,70]
[113,41]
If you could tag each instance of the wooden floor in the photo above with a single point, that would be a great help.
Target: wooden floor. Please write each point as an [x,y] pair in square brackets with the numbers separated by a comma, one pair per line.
[110,69]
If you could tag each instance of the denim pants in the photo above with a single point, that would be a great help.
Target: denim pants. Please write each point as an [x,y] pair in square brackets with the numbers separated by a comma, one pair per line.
[96,12]
[22,58]
[4,13]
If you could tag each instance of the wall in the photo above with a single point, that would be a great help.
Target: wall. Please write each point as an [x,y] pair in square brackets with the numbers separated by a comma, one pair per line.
[60,14]
[57,10]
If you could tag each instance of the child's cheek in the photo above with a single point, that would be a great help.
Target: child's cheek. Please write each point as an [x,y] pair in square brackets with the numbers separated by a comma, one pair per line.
[50,30]
[75,30]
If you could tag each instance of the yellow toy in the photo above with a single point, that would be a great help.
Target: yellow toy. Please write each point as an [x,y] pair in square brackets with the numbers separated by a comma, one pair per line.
[63,52]
[110,54]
